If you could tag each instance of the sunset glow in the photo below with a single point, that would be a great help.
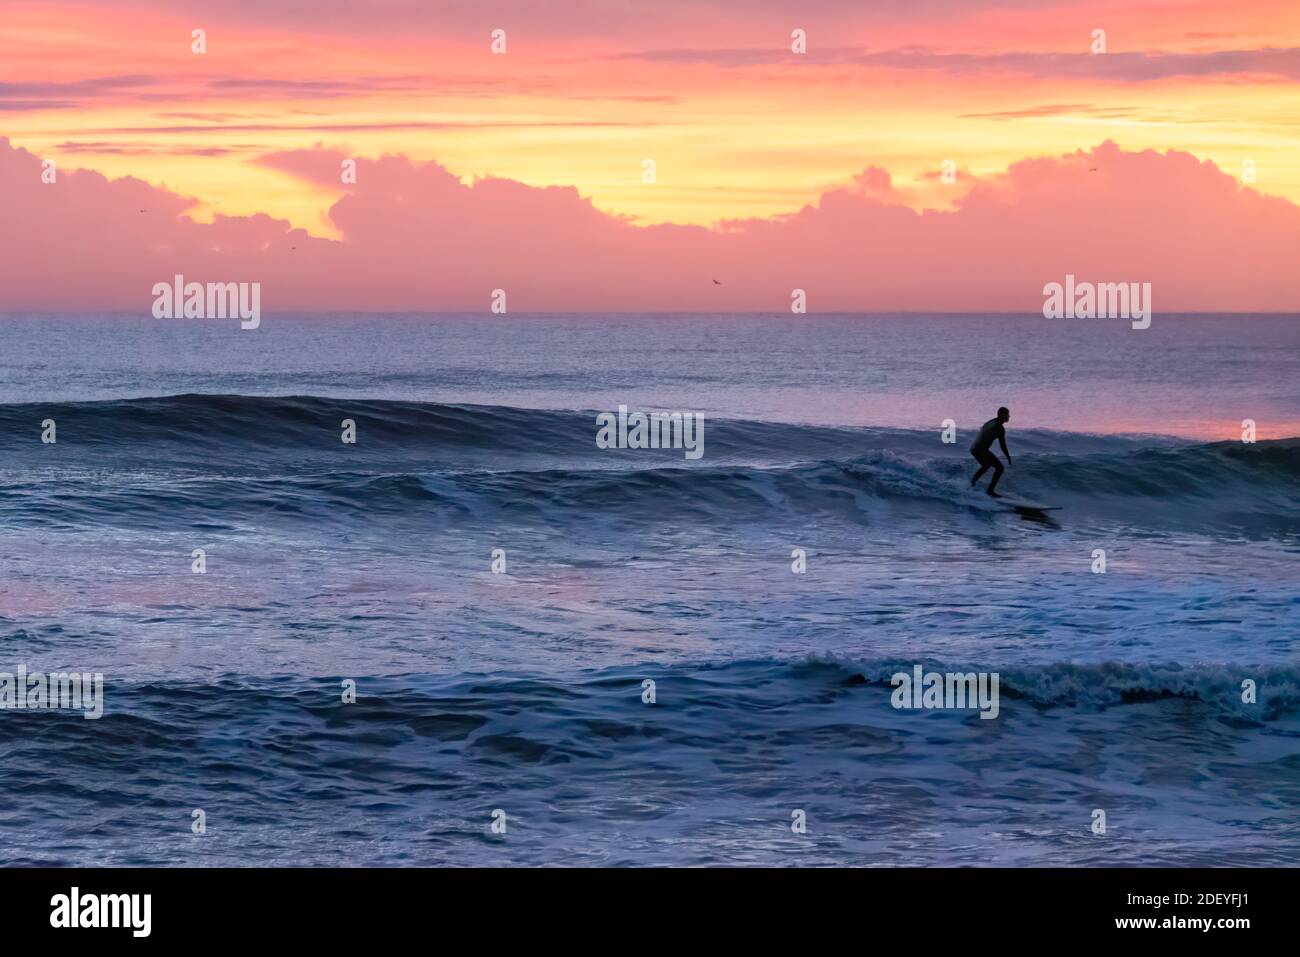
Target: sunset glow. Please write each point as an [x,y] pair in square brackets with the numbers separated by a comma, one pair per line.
[737,124]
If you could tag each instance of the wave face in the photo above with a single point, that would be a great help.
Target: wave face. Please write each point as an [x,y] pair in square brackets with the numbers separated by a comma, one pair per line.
[258,456]
[500,589]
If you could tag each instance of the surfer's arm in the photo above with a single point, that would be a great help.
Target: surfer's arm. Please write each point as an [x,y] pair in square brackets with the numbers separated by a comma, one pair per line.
[1002,441]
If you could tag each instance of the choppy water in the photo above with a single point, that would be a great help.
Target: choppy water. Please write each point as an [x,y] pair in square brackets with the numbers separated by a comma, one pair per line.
[523,691]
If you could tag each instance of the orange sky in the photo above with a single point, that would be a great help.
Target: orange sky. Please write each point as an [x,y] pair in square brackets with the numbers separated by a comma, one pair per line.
[737,125]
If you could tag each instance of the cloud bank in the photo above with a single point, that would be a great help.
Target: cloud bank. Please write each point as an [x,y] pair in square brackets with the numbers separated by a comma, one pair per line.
[416,237]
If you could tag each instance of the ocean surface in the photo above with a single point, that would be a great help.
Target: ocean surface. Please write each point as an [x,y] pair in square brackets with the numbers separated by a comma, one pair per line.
[522,692]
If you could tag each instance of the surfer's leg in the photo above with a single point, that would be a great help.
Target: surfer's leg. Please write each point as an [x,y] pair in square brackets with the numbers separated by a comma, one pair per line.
[984,467]
[997,474]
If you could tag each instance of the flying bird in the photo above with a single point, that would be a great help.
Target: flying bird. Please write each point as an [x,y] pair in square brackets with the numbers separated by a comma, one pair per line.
[716,283]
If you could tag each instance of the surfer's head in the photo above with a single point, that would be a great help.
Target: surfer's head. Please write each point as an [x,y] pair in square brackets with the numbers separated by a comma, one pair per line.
[1004,415]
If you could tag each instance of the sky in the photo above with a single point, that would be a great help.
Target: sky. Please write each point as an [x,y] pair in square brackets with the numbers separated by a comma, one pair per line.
[1170,158]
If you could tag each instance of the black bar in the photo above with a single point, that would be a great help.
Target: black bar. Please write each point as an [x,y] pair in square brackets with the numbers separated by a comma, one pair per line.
[948,907]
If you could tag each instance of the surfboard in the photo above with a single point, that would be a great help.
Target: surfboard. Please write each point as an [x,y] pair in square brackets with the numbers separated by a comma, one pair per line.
[1031,508]
[1025,507]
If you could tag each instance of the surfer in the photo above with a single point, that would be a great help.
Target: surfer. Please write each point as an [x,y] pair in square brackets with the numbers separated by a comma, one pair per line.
[992,429]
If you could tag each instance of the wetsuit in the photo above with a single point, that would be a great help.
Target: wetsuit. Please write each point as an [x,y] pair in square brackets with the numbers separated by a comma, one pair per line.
[992,430]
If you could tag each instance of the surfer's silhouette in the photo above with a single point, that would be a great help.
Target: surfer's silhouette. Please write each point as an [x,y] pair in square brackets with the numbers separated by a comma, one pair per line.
[992,429]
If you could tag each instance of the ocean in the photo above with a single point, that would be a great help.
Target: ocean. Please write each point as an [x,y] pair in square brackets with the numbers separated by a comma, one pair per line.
[501,591]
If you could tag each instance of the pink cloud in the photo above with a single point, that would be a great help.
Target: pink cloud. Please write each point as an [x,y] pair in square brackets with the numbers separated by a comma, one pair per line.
[416,237]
